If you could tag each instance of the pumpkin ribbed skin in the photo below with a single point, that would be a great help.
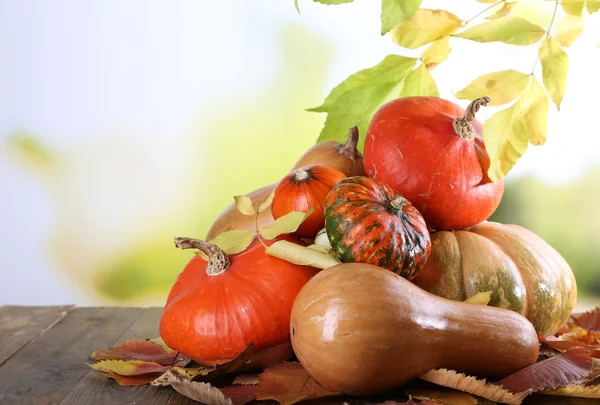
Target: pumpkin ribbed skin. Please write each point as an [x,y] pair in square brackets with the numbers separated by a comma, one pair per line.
[369,222]
[524,272]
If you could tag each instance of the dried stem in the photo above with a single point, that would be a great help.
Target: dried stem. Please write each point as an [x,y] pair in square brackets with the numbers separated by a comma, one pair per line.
[462,125]
[350,148]
[218,261]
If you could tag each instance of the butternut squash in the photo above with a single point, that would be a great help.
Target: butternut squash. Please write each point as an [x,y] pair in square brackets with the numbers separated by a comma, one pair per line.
[361,330]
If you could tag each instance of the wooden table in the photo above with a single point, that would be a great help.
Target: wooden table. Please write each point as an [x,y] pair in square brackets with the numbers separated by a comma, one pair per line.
[43,351]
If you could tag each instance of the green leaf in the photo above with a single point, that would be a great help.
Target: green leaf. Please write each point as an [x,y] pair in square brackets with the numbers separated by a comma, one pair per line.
[555,65]
[436,53]
[356,99]
[234,241]
[510,30]
[425,26]
[267,203]
[501,87]
[573,7]
[244,205]
[31,149]
[333,2]
[286,224]
[419,83]
[507,132]
[568,30]
[593,6]
[395,12]
[504,11]
[297,6]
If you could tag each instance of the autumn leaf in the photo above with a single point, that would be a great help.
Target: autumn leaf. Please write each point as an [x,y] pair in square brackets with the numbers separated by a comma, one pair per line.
[472,385]
[501,87]
[564,345]
[137,349]
[240,394]
[592,6]
[533,104]
[286,224]
[301,255]
[588,320]
[395,12]
[267,203]
[354,101]
[333,2]
[128,367]
[579,334]
[573,7]
[425,26]
[419,83]
[555,65]
[131,381]
[439,394]
[234,241]
[487,1]
[436,53]
[569,29]
[246,379]
[504,10]
[289,383]
[576,390]
[244,205]
[510,30]
[482,298]
[554,372]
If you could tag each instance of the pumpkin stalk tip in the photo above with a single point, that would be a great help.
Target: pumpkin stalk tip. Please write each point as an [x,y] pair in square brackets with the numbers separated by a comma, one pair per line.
[462,125]
[218,261]
[398,203]
[350,147]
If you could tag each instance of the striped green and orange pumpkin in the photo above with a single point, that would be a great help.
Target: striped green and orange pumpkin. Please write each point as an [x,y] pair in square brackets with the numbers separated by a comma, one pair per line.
[367,221]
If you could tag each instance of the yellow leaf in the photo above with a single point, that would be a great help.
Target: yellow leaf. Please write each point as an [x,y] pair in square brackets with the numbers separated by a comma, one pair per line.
[395,12]
[555,65]
[504,11]
[425,26]
[482,298]
[573,7]
[419,83]
[267,203]
[575,390]
[436,53]
[501,87]
[487,1]
[568,30]
[534,106]
[301,255]
[244,205]
[128,367]
[286,224]
[593,6]
[234,241]
[510,30]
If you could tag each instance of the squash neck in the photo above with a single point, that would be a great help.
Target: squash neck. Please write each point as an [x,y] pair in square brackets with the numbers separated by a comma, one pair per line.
[218,261]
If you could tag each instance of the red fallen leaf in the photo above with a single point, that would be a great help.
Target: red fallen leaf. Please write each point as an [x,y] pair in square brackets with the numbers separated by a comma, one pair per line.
[131,381]
[587,336]
[240,394]
[564,345]
[589,320]
[556,371]
[138,349]
[288,383]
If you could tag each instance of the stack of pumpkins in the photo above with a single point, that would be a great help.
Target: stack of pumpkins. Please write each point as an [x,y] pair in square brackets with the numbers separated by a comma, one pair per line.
[417,204]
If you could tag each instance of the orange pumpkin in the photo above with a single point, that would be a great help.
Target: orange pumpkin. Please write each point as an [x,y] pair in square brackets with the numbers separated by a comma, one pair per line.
[303,189]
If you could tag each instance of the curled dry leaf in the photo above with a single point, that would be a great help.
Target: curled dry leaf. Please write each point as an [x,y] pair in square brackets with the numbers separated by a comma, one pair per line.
[572,366]
[301,255]
[578,334]
[286,224]
[289,383]
[244,205]
[482,298]
[198,391]
[267,203]
[589,320]
[441,395]
[575,390]
[475,386]
[137,349]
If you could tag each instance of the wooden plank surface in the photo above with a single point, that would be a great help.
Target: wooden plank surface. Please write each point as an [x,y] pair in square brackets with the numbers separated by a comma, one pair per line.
[46,370]
[98,390]
[21,325]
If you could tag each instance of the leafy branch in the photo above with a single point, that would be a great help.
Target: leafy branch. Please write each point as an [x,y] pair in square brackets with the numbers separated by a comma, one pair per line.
[508,132]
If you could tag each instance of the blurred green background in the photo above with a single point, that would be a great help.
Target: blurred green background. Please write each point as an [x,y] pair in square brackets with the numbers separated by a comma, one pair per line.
[125,124]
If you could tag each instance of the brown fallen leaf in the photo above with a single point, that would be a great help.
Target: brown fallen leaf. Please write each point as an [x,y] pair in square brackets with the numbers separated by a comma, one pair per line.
[137,349]
[289,383]
[440,394]
[588,320]
[131,381]
[246,379]
[578,334]
[575,390]
[474,386]
[240,394]
[573,365]
[564,345]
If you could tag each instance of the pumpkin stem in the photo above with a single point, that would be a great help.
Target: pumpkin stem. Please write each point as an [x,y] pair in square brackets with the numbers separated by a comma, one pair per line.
[218,261]
[462,125]
[350,148]
[399,203]
[301,175]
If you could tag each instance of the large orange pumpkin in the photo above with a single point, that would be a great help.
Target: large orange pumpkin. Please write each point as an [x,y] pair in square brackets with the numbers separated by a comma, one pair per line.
[524,273]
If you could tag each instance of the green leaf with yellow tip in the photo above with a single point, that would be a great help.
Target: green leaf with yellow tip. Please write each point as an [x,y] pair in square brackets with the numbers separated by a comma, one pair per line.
[510,30]
[568,30]
[286,224]
[425,26]
[501,87]
[128,367]
[419,83]
[573,7]
[436,53]
[555,65]
[395,12]
[592,6]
